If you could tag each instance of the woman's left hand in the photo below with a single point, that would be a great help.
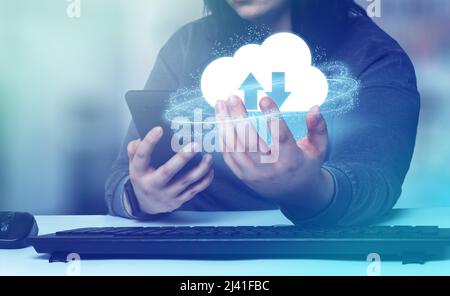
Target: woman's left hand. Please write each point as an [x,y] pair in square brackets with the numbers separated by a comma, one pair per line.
[287,172]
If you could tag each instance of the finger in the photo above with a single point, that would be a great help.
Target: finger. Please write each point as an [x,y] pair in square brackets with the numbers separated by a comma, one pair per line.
[317,130]
[283,143]
[191,177]
[131,148]
[277,125]
[196,188]
[227,136]
[220,128]
[226,132]
[247,135]
[141,159]
[165,173]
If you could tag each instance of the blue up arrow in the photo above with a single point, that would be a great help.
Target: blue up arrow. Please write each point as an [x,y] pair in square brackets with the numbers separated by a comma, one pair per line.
[250,87]
[278,93]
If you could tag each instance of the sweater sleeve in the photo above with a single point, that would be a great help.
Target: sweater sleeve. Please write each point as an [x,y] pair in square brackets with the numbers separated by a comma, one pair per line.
[372,145]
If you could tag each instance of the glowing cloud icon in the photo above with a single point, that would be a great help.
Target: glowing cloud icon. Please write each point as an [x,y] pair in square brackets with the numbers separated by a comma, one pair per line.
[280,68]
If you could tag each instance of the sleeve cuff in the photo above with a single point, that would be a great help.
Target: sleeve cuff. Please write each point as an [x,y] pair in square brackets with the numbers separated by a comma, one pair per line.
[118,206]
[335,210]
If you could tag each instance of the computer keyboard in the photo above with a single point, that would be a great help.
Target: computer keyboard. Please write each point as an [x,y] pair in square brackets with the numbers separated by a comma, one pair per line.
[407,243]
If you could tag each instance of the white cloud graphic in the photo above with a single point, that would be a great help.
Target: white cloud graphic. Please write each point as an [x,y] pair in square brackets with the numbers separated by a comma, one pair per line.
[302,86]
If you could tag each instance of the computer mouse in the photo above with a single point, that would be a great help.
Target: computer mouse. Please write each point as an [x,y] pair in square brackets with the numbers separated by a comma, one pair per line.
[15,229]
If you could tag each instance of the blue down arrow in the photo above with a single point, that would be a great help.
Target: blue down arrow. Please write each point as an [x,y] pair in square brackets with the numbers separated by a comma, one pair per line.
[278,93]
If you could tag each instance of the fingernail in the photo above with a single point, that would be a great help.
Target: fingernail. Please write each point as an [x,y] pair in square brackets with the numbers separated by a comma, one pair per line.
[157,131]
[234,100]
[266,103]
[318,114]
[315,109]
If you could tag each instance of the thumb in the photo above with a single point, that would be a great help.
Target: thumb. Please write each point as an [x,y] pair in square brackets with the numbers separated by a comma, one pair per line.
[317,130]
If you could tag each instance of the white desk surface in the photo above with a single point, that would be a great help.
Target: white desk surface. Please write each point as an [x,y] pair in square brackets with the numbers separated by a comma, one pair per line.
[27,262]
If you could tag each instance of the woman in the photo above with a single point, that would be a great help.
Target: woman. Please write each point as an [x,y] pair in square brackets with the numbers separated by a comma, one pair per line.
[346,171]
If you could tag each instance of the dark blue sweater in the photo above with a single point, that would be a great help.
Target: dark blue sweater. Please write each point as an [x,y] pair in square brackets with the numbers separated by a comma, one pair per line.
[371,144]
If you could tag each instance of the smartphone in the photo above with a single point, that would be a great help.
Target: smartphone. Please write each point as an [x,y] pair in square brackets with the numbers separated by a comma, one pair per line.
[148,108]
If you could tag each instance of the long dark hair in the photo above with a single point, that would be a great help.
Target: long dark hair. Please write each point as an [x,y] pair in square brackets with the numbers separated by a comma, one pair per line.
[308,16]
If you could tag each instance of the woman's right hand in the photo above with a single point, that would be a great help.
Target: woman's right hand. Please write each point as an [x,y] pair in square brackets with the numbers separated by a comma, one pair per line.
[155,189]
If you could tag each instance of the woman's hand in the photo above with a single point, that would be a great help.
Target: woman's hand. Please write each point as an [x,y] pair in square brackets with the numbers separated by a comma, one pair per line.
[288,172]
[156,190]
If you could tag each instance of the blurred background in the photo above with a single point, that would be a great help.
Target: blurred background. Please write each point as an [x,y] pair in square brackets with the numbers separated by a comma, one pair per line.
[62,81]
